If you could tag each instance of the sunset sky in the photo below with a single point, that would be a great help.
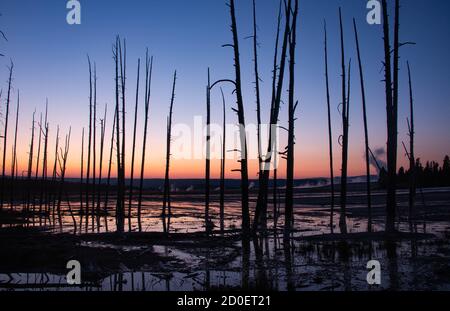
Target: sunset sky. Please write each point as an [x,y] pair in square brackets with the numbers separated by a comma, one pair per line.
[50,62]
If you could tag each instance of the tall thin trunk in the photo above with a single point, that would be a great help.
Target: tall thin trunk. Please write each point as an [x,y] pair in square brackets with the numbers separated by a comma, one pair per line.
[342,219]
[62,167]
[366,132]
[289,200]
[102,144]
[94,152]
[88,170]
[330,133]
[81,179]
[134,146]
[258,108]
[120,208]
[261,205]
[148,83]
[44,159]
[5,137]
[122,186]
[208,155]
[14,153]
[55,174]
[391,120]
[30,164]
[108,180]
[166,198]
[412,159]
[39,148]
[222,169]
[241,119]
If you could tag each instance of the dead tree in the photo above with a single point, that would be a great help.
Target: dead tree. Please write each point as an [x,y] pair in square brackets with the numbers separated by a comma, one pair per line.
[108,179]
[102,144]
[81,179]
[88,170]
[241,119]
[44,161]
[366,131]
[5,137]
[412,159]
[39,148]
[289,196]
[261,205]
[14,152]
[62,167]
[148,84]
[391,87]
[222,169]
[122,186]
[134,147]
[166,198]
[208,226]
[55,174]
[330,134]
[258,105]
[344,107]
[94,153]
[120,203]
[30,165]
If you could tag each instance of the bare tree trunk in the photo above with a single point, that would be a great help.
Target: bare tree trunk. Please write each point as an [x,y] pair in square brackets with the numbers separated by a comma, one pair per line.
[261,205]
[88,171]
[208,155]
[102,144]
[391,120]
[120,215]
[342,219]
[62,167]
[289,200]
[5,137]
[222,169]
[30,167]
[134,147]
[241,118]
[39,148]
[258,110]
[330,134]
[14,154]
[81,180]
[94,151]
[54,175]
[166,198]
[108,181]
[412,159]
[44,194]
[148,82]
[366,132]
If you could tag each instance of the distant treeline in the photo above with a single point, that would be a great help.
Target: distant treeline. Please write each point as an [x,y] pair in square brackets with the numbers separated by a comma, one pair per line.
[430,175]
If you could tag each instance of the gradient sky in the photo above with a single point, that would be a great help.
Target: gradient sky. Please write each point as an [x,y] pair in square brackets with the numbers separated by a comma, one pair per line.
[50,62]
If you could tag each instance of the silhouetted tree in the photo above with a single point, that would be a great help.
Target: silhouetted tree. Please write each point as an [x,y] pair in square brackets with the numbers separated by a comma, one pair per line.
[366,131]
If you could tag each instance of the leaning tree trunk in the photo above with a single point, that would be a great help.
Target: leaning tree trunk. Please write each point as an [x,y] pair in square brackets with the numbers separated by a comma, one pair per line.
[342,218]
[14,153]
[241,119]
[261,205]
[5,137]
[330,134]
[133,150]
[222,169]
[166,198]
[108,180]
[148,83]
[208,155]
[289,197]
[366,131]
[412,159]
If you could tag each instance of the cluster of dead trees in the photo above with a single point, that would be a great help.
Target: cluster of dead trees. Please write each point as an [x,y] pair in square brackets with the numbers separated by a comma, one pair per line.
[95,194]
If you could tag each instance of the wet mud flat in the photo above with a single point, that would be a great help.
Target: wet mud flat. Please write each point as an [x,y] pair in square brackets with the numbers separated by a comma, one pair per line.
[33,259]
